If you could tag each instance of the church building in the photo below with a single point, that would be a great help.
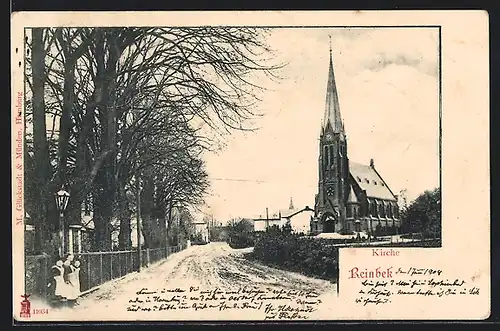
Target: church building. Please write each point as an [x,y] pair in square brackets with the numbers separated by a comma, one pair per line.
[351,196]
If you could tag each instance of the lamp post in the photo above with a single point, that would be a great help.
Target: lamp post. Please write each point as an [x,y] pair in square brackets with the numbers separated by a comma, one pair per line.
[62,198]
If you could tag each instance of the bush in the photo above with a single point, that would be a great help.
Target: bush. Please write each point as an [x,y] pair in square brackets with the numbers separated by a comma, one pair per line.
[311,256]
[241,234]
[240,240]
[416,236]
[427,243]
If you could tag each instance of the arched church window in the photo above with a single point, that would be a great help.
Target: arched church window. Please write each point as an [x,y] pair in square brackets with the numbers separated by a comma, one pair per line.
[331,154]
[359,179]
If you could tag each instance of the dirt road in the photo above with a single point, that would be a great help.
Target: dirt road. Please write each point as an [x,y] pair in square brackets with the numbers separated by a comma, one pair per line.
[211,266]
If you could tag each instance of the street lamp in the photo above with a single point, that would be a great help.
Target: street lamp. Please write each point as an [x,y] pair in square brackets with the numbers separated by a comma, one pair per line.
[62,198]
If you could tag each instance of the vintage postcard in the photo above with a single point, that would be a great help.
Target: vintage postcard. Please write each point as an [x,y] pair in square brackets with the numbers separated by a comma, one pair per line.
[251,166]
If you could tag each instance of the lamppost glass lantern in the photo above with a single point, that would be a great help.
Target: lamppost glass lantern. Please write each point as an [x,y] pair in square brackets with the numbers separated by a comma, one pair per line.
[62,199]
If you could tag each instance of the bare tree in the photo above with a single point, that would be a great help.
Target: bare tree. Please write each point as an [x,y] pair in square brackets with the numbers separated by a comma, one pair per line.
[94,78]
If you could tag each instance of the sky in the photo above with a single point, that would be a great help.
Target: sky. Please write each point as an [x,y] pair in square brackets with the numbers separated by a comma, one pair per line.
[387,81]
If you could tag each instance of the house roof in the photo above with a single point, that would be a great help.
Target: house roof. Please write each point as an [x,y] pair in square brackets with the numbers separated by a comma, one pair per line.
[199,221]
[287,212]
[368,179]
[292,212]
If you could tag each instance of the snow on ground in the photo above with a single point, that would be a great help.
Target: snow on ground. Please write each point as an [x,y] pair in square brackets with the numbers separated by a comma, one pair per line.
[211,266]
[335,235]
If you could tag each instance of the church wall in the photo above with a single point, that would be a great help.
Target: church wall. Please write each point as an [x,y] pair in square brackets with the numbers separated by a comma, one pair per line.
[386,220]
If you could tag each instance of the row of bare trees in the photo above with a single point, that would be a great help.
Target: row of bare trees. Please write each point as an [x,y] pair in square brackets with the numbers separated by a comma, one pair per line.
[108,107]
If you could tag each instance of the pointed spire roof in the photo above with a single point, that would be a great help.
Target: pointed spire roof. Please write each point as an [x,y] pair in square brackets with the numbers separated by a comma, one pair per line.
[291,204]
[332,108]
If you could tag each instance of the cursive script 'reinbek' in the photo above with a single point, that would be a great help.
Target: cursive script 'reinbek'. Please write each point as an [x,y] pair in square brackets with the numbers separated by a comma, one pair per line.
[273,303]
[383,284]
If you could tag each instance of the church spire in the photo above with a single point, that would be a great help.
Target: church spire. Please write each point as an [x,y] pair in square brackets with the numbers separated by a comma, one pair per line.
[332,108]
[291,204]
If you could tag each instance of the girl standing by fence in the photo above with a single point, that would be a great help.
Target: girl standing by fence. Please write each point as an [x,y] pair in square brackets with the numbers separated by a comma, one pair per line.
[72,279]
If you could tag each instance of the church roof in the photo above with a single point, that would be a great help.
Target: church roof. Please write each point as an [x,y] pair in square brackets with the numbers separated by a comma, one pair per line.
[332,108]
[352,197]
[368,179]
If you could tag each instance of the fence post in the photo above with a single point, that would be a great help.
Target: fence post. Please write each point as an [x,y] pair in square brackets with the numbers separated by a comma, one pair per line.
[89,283]
[126,265]
[147,257]
[111,266]
[100,269]
[131,261]
[45,277]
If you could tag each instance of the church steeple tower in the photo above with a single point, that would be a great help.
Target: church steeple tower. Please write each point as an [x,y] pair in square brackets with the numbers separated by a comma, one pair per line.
[332,109]
[333,169]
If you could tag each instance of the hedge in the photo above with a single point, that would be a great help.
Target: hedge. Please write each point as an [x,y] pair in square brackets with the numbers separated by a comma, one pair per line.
[243,240]
[310,256]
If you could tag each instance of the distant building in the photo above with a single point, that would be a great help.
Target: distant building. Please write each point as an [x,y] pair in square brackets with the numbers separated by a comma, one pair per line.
[299,219]
[262,223]
[351,196]
[201,229]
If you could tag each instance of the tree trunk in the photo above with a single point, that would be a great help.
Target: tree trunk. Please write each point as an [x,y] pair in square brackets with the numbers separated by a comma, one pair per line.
[42,169]
[147,204]
[102,220]
[65,123]
[161,215]
[124,214]
[106,184]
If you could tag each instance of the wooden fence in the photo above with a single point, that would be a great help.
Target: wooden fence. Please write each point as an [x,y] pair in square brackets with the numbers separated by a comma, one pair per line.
[96,268]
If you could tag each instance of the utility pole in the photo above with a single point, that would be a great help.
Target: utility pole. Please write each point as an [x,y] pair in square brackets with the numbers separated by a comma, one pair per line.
[138,208]
[267,218]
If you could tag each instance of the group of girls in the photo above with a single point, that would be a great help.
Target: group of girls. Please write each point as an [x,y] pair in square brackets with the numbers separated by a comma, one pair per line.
[65,282]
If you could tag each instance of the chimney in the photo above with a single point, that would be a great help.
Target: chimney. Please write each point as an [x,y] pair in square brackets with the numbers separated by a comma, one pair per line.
[372,164]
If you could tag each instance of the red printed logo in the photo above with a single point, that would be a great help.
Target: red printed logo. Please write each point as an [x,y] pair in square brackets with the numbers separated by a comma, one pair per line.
[25,306]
